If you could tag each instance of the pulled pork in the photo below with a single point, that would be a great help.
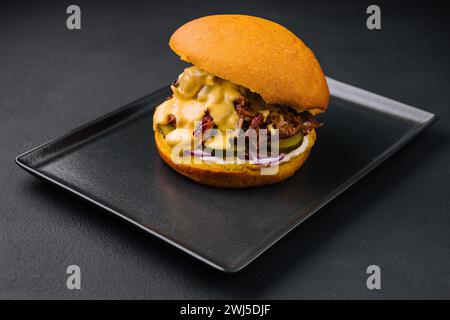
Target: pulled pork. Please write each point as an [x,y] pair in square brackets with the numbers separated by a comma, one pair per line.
[207,124]
[288,121]
[257,122]
[172,120]
[243,108]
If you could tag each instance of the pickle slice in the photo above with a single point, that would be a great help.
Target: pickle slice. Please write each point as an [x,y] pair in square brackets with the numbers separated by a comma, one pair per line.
[166,129]
[291,142]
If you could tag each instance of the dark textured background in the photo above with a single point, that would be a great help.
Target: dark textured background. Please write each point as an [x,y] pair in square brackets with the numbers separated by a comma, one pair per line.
[53,80]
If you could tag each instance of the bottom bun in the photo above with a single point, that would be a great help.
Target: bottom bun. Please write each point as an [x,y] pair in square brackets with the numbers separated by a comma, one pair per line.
[232,175]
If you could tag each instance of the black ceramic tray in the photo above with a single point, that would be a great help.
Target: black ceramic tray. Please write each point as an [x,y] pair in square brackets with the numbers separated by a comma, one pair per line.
[113,163]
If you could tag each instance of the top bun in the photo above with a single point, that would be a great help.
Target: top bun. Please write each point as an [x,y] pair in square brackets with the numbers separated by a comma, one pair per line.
[257,54]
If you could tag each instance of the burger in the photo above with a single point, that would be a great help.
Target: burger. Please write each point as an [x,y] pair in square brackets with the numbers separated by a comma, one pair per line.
[250,77]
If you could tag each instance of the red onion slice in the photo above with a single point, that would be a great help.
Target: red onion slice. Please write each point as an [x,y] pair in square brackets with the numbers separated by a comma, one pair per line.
[197,153]
[253,157]
[205,156]
[268,160]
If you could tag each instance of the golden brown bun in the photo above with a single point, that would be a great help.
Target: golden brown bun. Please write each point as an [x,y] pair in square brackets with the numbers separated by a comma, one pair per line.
[232,175]
[258,54]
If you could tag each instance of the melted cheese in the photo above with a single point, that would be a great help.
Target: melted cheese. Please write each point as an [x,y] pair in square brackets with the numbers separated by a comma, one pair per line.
[196,93]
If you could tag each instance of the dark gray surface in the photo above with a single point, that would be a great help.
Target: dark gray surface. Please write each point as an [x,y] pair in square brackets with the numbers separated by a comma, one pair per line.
[52,80]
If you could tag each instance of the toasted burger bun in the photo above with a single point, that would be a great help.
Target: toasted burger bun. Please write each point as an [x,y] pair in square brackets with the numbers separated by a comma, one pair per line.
[258,54]
[232,175]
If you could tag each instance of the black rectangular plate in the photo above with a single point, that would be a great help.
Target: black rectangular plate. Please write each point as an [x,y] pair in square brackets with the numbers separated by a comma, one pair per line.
[113,163]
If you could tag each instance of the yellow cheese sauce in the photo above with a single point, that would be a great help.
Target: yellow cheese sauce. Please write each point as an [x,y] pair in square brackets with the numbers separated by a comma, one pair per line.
[196,93]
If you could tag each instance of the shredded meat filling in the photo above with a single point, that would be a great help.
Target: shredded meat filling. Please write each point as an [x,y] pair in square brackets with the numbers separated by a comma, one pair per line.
[172,120]
[285,119]
[257,122]
[206,124]
[288,121]
[243,108]
[309,122]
